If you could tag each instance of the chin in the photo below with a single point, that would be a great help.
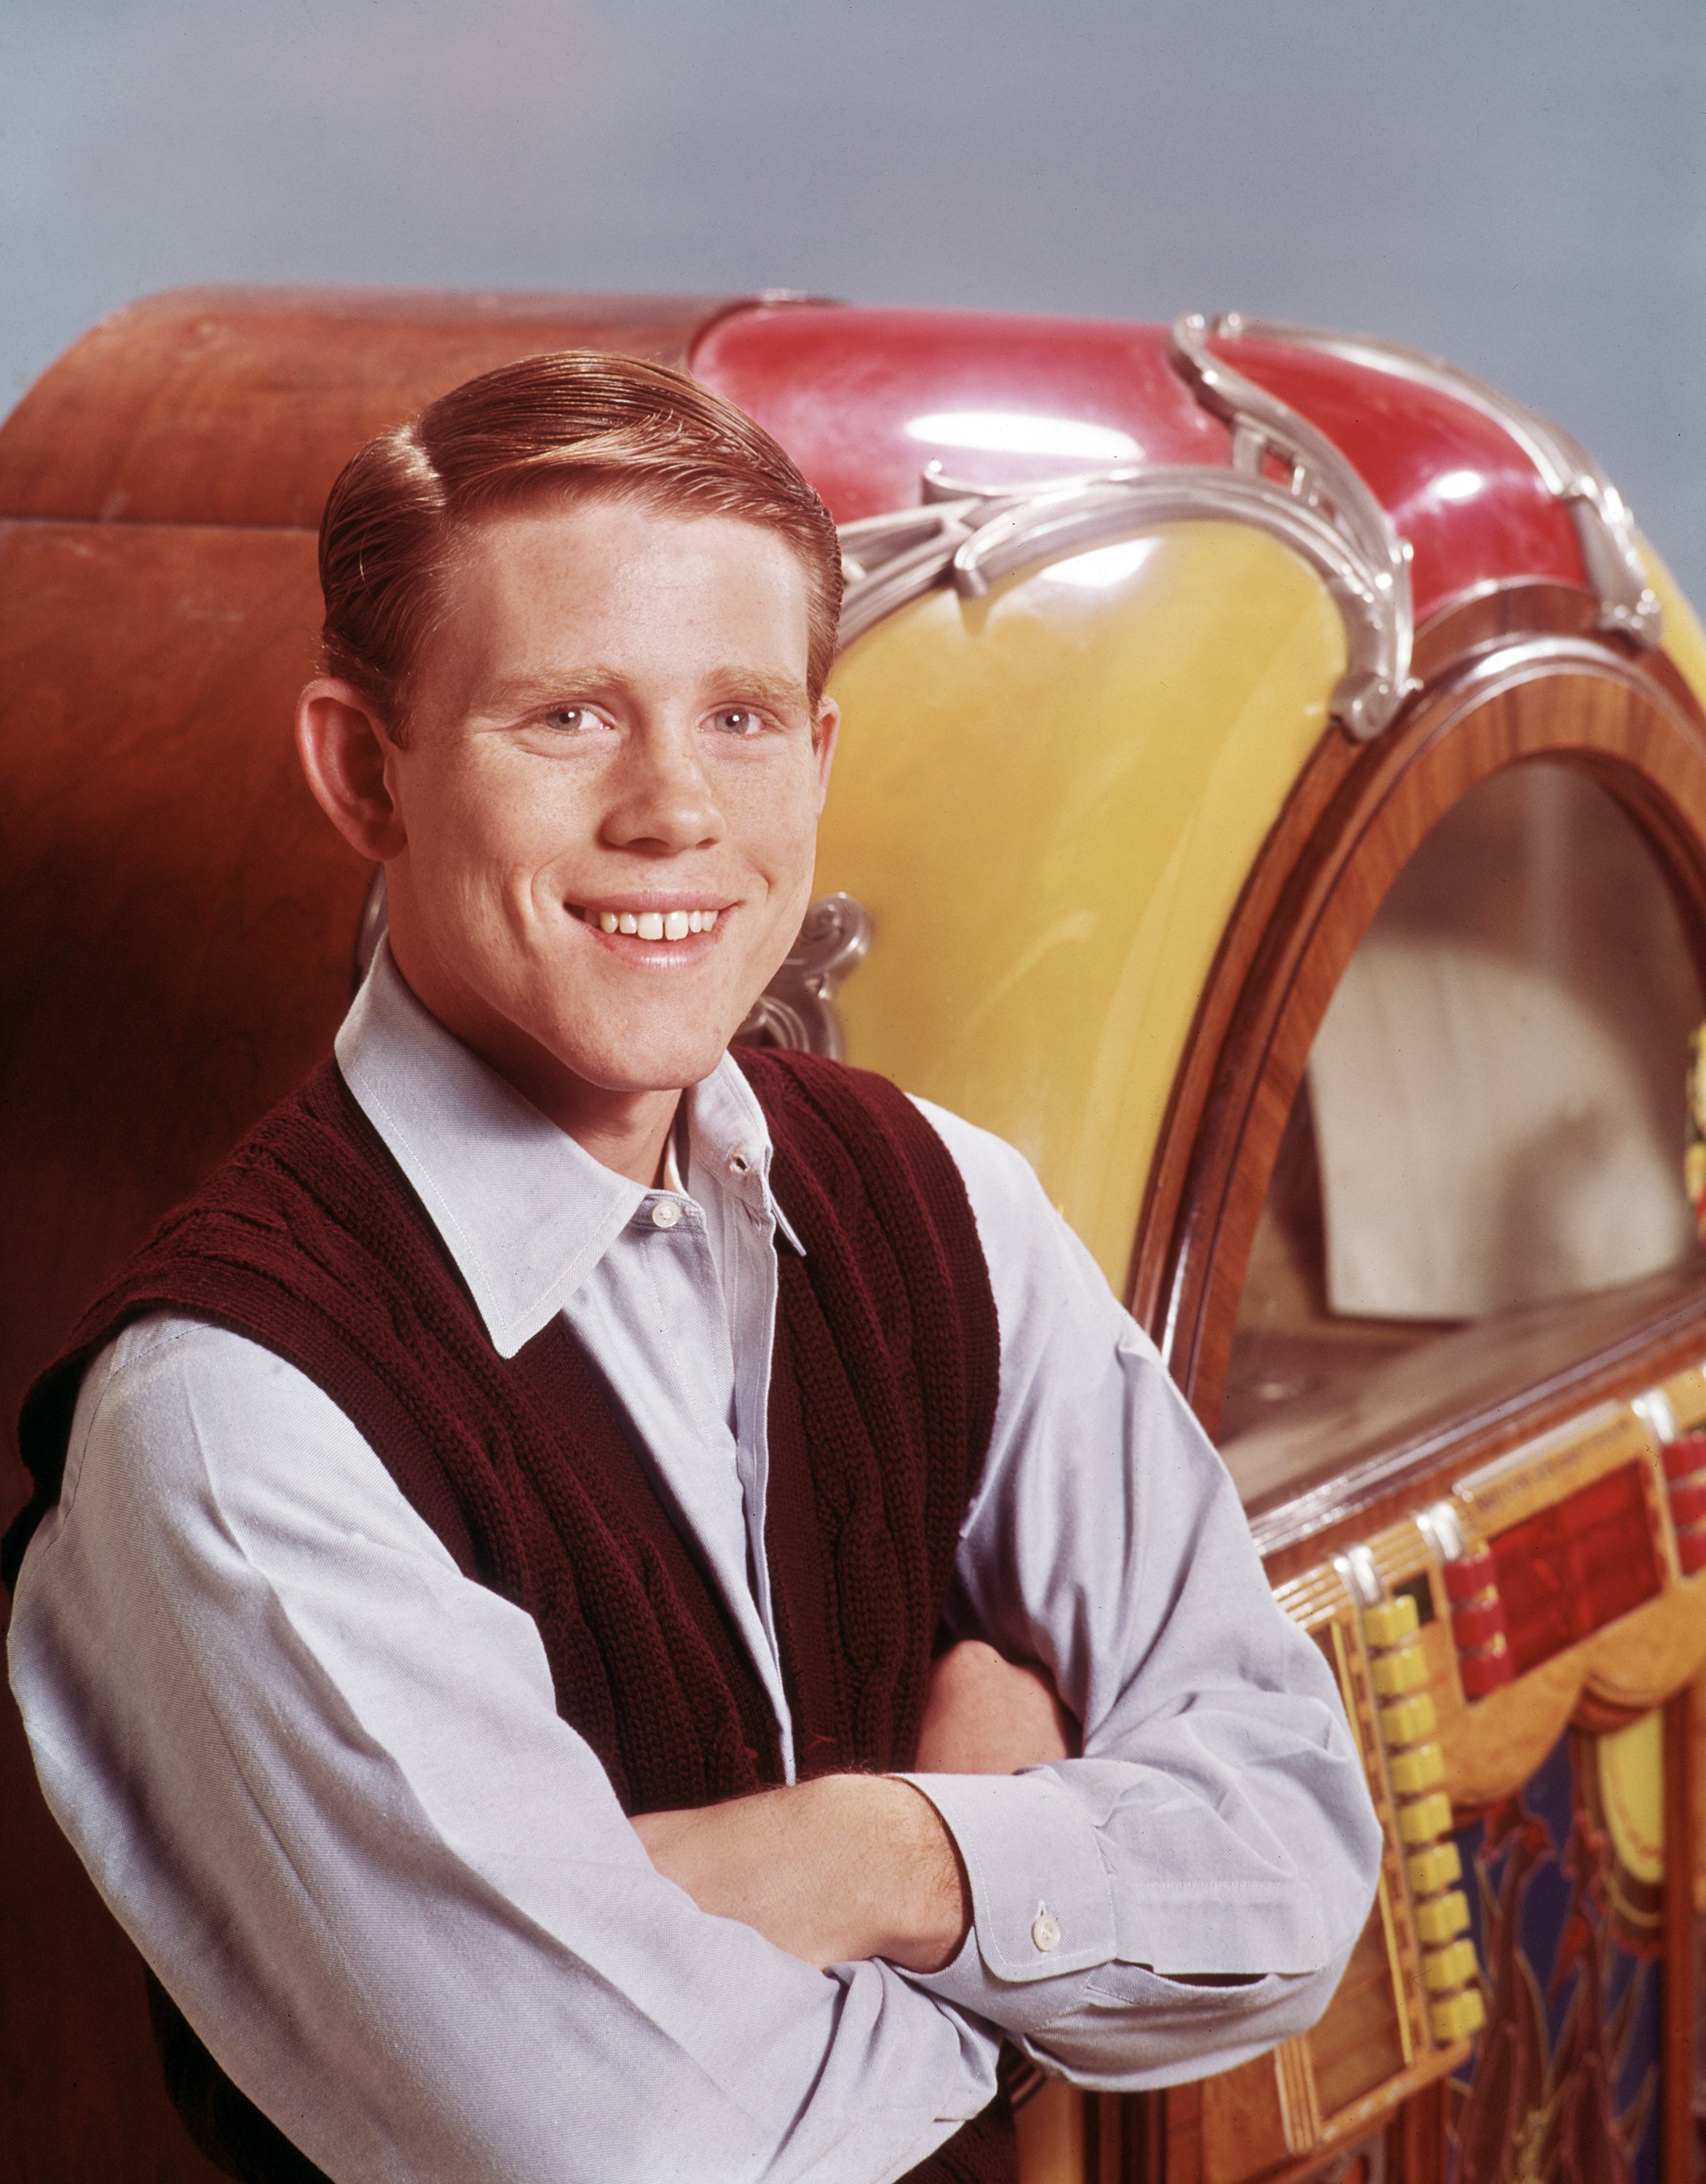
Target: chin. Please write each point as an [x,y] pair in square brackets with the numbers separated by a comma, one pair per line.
[664,1065]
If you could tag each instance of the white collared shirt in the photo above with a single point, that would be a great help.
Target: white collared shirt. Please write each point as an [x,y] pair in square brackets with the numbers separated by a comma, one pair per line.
[321,1777]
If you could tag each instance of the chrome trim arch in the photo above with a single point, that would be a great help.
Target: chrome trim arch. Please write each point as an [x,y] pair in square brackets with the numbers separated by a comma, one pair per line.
[1324,480]
[973,537]
[1604,527]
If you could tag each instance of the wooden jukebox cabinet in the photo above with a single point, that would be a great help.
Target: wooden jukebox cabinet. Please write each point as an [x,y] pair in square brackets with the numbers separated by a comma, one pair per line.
[1274,796]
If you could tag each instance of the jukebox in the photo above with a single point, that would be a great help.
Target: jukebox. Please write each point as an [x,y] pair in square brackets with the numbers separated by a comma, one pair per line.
[1273,797]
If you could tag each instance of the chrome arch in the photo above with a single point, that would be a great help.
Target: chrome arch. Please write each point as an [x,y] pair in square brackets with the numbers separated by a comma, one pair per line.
[971,539]
[1604,527]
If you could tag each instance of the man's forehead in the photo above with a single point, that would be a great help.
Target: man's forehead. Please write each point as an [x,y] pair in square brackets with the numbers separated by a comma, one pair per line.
[604,596]
[602,526]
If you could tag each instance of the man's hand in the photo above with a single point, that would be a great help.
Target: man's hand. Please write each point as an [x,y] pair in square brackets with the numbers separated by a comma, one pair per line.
[861,1865]
[847,1866]
[986,1715]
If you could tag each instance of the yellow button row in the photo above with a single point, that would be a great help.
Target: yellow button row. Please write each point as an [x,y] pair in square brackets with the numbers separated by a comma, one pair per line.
[1422,1768]
[1408,1721]
[1395,1674]
[1390,1622]
[1441,1916]
[1455,2016]
[1433,1869]
[1454,1965]
[1428,1816]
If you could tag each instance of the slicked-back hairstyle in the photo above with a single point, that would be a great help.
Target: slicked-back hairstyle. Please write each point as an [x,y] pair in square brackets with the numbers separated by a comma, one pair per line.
[574,425]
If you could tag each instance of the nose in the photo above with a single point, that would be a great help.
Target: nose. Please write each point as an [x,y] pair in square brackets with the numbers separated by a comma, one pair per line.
[662,801]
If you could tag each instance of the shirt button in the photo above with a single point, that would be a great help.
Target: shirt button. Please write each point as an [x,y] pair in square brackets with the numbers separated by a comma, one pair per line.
[665,1213]
[1045,1929]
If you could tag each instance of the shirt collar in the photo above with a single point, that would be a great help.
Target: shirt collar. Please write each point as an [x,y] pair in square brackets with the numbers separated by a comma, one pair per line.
[525,1211]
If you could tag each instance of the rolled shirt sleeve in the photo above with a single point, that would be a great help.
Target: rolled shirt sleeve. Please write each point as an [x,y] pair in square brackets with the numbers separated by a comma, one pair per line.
[1187,1892]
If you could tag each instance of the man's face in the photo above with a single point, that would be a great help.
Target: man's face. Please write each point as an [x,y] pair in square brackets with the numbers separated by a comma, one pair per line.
[610,792]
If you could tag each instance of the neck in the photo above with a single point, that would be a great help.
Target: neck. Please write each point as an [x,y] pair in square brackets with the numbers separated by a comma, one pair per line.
[631,1142]
[625,1131]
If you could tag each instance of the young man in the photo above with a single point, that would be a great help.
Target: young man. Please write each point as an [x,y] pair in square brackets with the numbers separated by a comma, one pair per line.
[487,1625]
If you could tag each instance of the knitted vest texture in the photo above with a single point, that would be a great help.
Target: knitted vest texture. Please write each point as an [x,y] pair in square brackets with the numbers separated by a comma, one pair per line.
[310,1241]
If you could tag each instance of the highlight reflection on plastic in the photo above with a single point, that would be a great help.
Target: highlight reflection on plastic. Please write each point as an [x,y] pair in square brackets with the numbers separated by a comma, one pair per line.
[1023,432]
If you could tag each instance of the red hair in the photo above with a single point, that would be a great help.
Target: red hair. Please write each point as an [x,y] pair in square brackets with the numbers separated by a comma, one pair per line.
[579,424]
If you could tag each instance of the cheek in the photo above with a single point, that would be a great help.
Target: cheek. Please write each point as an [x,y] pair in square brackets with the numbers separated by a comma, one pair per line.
[496,822]
[773,814]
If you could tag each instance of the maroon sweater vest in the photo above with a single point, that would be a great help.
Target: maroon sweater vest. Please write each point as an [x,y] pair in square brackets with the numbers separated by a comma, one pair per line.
[310,1241]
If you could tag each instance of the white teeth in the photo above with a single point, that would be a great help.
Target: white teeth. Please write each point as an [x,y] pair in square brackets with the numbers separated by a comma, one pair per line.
[654,924]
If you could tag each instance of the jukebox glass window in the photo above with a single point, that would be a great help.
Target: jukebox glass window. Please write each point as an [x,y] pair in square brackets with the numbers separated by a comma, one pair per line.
[1482,1174]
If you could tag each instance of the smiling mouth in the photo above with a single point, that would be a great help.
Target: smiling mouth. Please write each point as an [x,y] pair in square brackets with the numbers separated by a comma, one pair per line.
[650,924]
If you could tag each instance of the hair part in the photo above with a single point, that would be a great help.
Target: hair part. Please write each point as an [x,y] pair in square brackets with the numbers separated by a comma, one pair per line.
[576,424]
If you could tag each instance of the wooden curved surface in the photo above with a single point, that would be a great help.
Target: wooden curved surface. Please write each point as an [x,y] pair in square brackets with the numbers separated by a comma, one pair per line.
[234,405]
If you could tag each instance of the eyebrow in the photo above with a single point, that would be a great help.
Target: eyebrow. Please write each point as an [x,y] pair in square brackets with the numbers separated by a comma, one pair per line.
[596,677]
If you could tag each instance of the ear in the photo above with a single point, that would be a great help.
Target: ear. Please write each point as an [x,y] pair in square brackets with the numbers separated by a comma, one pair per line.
[824,731]
[349,759]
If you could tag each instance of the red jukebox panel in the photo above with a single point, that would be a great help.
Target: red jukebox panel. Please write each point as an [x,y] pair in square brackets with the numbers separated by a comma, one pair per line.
[1570,1569]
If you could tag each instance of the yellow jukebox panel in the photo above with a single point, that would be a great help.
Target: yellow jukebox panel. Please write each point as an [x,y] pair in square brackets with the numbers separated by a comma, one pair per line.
[1410,1999]
[1049,801]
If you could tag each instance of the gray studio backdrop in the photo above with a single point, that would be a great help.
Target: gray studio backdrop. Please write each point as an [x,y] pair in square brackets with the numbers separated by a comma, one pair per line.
[1516,183]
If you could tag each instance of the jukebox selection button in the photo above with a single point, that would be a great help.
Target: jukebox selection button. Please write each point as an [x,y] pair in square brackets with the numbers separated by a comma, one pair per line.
[1684,1456]
[1688,1502]
[1454,1965]
[1684,1460]
[1471,1574]
[1485,1671]
[1391,1622]
[1456,2015]
[1426,1817]
[1408,1721]
[1478,1623]
[1442,1917]
[1436,1867]
[1395,1675]
[1479,1631]
[1422,1768]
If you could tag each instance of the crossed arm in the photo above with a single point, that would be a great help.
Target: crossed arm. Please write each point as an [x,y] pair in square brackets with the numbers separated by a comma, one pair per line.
[863,1865]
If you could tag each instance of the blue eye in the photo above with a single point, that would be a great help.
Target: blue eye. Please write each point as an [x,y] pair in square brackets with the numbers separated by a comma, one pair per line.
[740,720]
[570,720]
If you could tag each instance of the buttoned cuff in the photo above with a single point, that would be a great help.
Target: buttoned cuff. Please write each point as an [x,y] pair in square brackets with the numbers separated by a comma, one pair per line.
[1041,1903]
